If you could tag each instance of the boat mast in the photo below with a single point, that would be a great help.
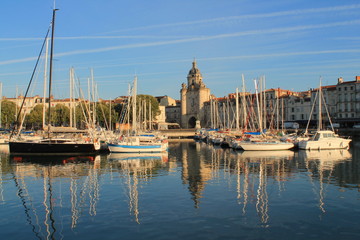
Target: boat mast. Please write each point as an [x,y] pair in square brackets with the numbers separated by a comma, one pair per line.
[0,102]
[71,78]
[134,120]
[237,109]
[244,103]
[51,66]
[258,106]
[320,116]
[45,77]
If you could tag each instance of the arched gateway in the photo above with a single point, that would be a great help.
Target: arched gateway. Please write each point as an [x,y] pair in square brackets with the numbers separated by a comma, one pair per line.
[193,95]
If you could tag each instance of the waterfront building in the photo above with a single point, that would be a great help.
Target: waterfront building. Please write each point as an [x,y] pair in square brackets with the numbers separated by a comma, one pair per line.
[276,105]
[193,96]
[348,102]
[166,101]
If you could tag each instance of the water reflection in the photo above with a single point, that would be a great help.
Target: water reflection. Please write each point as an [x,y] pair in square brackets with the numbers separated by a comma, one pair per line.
[252,171]
[137,167]
[59,195]
[321,166]
[258,168]
[42,208]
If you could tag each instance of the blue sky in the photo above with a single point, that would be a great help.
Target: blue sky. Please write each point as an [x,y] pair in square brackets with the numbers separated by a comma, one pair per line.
[291,43]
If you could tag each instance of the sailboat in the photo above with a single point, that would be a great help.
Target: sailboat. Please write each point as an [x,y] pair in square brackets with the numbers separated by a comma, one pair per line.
[323,139]
[50,145]
[137,143]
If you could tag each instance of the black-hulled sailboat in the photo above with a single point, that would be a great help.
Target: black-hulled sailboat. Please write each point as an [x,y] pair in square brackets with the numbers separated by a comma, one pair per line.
[49,144]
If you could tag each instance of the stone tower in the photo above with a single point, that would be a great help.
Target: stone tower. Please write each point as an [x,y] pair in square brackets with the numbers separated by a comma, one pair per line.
[193,96]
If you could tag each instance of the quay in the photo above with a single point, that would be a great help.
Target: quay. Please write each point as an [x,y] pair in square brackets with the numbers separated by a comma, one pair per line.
[354,133]
[190,132]
[179,133]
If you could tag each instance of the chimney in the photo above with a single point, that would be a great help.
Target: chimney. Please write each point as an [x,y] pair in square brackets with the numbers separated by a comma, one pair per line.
[357,78]
[340,80]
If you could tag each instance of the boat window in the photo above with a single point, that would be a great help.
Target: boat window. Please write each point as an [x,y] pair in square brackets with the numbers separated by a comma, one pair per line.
[317,136]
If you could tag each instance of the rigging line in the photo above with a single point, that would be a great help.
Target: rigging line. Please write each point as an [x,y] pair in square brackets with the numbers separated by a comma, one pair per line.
[27,210]
[51,199]
[51,66]
[31,79]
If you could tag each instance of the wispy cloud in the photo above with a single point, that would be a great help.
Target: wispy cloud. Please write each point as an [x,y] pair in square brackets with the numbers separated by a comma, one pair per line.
[206,38]
[250,16]
[96,38]
[196,39]
[286,54]
[219,36]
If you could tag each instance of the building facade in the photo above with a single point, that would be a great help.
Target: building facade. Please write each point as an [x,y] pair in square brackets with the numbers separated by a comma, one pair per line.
[193,96]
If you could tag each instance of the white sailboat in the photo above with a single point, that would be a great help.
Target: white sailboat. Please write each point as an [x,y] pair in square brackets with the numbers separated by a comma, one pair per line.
[137,143]
[265,145]
[51,145]
[324,139]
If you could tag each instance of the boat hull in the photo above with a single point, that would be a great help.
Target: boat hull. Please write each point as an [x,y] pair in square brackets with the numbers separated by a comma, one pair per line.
[324,144]
[265,146]
[40,148]
[123,148]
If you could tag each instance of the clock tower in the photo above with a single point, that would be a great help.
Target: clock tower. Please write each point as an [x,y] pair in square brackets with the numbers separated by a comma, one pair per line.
[193,96]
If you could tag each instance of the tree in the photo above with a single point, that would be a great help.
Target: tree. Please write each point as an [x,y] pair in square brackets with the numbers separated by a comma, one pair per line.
[60,115]
[34,118]
[148,99]
[141,101]
[102,114]
[8,113]
[81,114]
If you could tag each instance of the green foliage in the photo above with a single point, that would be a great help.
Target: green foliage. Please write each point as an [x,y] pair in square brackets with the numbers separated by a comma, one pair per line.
[141,101]
[8,113]
[60,115]
[34,118]
[148,99]
[103,114]
[81,113]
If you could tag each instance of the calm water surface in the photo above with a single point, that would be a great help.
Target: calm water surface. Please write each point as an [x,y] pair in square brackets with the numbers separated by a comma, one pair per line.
[196,191]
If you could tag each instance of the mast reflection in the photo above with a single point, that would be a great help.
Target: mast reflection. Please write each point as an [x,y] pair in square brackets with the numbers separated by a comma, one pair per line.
[258,168]
[42,208]
[137,167]
[251,169]
[321,164]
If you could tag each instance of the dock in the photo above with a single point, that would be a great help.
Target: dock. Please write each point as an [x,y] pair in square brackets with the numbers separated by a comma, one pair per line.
[179,133]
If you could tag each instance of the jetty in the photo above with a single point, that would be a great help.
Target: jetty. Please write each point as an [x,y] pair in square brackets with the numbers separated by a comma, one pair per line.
[179,133]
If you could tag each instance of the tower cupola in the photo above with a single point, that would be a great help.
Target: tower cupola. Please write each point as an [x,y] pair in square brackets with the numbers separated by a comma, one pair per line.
[194,77]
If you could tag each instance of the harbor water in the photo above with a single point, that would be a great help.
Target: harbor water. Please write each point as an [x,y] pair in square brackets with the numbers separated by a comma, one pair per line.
[195,191]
